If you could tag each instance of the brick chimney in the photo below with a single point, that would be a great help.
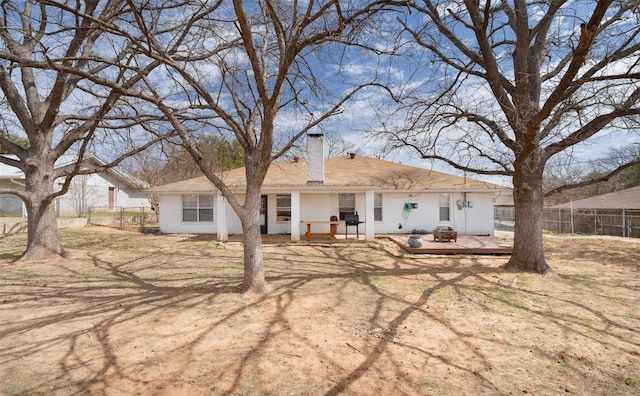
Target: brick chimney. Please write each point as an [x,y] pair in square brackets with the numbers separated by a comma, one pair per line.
[315,158]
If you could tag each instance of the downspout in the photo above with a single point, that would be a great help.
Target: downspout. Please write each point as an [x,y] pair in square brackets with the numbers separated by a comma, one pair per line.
[464,202]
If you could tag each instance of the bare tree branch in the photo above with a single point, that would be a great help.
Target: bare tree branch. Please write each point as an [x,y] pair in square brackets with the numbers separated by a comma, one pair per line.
[592,181]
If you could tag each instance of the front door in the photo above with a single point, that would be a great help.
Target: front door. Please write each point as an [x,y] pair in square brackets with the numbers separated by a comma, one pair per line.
[112,198]
[263,214]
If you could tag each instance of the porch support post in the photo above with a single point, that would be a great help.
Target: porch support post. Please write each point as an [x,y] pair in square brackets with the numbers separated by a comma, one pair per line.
[369,225]
[221,218]
[295,215]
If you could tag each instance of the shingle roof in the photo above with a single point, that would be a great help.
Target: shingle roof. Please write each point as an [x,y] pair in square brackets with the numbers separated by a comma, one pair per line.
[622,199]
[363,172]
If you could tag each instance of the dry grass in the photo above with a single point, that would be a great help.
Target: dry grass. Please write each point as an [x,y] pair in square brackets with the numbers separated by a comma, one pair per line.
[159,315]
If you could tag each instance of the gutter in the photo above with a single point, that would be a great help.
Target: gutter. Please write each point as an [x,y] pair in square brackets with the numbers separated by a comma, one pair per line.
[13,180]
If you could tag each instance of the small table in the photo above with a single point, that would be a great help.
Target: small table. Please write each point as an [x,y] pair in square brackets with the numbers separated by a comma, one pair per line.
[333,225]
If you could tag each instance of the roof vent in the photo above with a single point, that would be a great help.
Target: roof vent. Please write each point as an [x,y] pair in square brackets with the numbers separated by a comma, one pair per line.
[351,155]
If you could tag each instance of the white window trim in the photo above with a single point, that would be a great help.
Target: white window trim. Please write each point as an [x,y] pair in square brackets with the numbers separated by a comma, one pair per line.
[340,211]
[197,209]
[381,198]
[440,207]
[283,207]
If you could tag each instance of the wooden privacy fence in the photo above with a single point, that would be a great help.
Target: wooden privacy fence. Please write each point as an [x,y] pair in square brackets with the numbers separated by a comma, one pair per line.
[615,222]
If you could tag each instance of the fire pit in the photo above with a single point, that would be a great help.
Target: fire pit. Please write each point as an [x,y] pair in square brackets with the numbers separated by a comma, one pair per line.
[445,233]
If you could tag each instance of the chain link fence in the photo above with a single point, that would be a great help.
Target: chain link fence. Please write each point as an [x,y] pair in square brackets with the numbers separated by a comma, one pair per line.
[136,218]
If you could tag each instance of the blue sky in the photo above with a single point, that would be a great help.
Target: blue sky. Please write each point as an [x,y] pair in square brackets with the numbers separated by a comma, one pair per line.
[340,70]
[361,114]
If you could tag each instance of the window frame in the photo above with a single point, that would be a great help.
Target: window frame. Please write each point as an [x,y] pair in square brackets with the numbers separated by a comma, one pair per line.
[345,210]
[283,218]
[444,198]
[199,208]
[377,206]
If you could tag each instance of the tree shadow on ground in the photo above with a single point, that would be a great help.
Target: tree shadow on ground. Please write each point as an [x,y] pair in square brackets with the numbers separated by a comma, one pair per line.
[350,316]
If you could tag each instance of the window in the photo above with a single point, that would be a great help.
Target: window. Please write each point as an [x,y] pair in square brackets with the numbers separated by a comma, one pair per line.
[377,207]
[283,207]
[197,208]
[346,204]
[444,207]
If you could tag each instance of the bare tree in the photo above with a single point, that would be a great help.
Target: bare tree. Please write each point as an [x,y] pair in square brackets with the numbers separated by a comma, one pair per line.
[337,146]
[620,169]
[82,195]
[57,113]
[170,162]
[242,69]
[515,84]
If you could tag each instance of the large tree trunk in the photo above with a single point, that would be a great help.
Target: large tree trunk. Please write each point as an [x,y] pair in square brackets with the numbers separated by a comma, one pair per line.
[528,197]
[42,228]
[254,279]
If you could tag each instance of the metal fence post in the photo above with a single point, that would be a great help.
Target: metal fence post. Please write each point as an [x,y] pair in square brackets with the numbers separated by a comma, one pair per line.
[559,220]
[571,208]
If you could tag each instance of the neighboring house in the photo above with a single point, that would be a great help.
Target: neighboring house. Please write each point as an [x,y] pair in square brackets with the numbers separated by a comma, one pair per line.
[504,211]
[108,190]
[10,177]
[389,198]
[623,199]
[504,199]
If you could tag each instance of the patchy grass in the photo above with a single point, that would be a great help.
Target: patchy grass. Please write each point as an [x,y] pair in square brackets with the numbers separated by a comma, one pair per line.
[160,314]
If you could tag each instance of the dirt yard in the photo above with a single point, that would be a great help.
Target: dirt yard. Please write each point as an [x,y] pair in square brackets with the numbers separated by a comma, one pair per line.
[133,314]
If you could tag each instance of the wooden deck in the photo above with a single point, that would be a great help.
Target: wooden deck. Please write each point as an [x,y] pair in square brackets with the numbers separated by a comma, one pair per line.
[277,239]
[466,244]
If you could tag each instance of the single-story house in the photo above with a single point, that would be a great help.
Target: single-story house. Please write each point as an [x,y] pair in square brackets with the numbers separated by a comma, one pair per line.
[388,198]
[109,190]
